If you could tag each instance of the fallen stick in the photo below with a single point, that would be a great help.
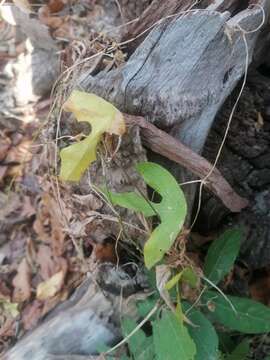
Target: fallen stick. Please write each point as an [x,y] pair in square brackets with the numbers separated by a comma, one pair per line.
[164,144]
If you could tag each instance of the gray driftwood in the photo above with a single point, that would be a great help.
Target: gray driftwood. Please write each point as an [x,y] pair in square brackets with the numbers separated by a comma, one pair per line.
[89,319]
[181,74]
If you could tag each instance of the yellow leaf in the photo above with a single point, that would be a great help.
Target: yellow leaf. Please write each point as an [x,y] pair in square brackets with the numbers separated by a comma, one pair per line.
[50,287]
[103,117]
[173,281]
[11,308]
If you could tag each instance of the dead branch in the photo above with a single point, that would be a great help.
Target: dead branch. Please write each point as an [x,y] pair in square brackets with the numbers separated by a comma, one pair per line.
[165,145]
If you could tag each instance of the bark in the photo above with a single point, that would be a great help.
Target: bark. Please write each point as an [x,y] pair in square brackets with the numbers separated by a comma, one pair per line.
[245,162]
[157,10]
[181,74]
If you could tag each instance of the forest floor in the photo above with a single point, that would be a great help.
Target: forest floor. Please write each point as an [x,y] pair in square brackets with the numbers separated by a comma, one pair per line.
[46,242]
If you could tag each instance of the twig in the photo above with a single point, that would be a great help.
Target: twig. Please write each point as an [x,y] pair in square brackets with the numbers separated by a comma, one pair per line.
[164,144]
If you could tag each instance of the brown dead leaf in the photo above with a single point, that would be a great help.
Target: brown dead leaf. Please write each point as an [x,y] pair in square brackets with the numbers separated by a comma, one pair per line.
[3,172]
[22,283]
[163,274]
[17,138]
[260,286]
[17,157]
[49,264]
[58,237]
[57,225]
[4,147]
[8,329]
[19,154]
[105,253]
[46,18]
[55,5]
[40,227]
[90,201]
[77,228]
[49,223]
[8,204]
[53,284]
[63,31]
[31,314]
[28,209]
[45,260]
[50,287]
[31,253]
[5,293]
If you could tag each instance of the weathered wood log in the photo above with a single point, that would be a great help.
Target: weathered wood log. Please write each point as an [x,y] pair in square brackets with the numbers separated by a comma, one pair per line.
[181,74]
[89,319]
[157,10]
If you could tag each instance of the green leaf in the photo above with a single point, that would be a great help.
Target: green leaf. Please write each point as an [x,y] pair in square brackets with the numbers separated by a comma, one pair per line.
[203,334]
[103,117]
[171,339]
[222,254]
[140,345]
[171,210]
[173,281]
[240,352]
[132,201]
[226,343]
[250,317]
[136,340]
[151,278]
[144,307]
[190,276]
[178,310]
[147,351]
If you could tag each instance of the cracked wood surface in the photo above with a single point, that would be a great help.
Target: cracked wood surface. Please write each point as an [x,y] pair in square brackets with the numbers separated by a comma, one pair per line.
[90,318]
[182,73]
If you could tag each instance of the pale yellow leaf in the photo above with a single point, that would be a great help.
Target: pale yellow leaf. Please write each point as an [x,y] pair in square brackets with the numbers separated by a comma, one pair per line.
[50,287]
[11,308]
[103,118]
